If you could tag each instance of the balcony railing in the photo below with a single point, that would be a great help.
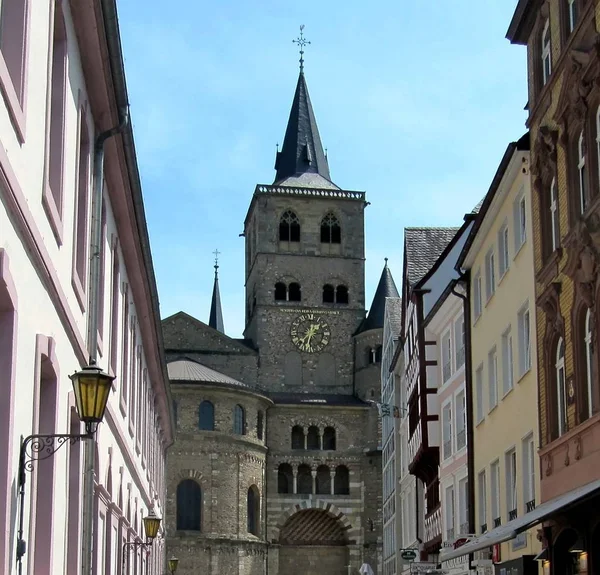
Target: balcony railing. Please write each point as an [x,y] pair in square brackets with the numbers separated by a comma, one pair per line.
[433,525]
[530,505]
[461,439]
[512,514]
[497,521]
[483,527]
[414,443]
[412,375]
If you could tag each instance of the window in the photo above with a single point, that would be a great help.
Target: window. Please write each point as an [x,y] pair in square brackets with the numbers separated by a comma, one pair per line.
[490,274]
[294,293]
[479,392]
[239,420]
[524,341]
[477,294]
[189,506]
[493,379]
[206,416]
[461,420]
[323,480]
[529,455]
[504,261]
[520,221]
[313,439]
[280,291]
[546,53]
[589,361]
[260,425]
[285,478]
[297,437]
[13,25]
[459,341]
[463,506]
[328,293]
[341,294]
[289,227]
[114,311]
[450,513]
[482,500]
[253,510]
[446,356]
[447,429]
[341,483]
[561,391]
[495,488]
[510,466]
[331,232]
[507,362]
[582,172]
[101,286]
[572,14]
[329,439]
[554,222]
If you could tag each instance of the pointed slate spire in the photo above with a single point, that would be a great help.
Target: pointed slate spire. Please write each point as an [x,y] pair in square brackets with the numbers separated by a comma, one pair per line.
[386,288]
[216,313]
[302,150]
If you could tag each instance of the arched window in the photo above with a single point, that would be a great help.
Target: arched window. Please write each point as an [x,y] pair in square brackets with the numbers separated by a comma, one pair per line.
[589,361]
[280,291]
[285,478]
[331,232]
[341,294]
[341,482]
[297,437]
[304,479]
[239,420]
[582,171]
[294,293]
[378,353]
[189,506]
[546,53]
[260,425]
[328,293]
[253,510]
[323,480]
[329,438]
[312,439]
[206,416]
[370,353]
[561,390]
[289,227]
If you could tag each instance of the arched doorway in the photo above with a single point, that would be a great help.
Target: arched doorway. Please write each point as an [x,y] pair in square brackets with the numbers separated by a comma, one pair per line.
[313,542]
[564,561]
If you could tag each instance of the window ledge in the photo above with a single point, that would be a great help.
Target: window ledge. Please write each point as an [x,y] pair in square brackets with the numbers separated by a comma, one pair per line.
[550,268]
[79,290]
[480,421]
[489,299]
[518,250]
[53,214]
[493,408]
[522,376]
[502,276]
[507,393]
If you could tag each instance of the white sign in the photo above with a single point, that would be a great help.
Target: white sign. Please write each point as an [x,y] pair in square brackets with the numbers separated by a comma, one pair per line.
[426,567]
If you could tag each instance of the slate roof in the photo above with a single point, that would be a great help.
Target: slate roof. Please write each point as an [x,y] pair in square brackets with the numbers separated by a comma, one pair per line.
[215,319]
[422,248]
[299,398]
[192,371]
[393,306]
[385,289]
[302,151]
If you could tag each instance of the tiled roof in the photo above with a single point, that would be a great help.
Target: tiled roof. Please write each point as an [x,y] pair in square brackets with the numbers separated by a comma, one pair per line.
[478,206]
[316,399]
[386,288]
[423,246]
[393,306]
[188,370]
[308,180]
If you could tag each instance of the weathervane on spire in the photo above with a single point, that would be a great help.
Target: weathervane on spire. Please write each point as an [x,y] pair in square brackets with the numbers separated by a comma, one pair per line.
[301,41]
[216,252]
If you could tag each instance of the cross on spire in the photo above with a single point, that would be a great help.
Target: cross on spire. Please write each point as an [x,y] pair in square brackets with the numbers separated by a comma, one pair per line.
[301,41]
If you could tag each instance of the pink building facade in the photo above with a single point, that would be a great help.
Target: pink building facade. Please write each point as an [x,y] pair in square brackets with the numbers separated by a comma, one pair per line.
[62,84]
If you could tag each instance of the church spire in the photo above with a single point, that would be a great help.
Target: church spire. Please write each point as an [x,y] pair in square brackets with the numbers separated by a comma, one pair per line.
[386,288]
[302,150]
[216,314]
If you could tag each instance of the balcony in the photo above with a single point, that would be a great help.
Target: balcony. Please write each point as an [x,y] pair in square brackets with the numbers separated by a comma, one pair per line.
[512,514]
[433,525]
[412,375]
[530,506]
[497,522]
[483,527]
[414,443]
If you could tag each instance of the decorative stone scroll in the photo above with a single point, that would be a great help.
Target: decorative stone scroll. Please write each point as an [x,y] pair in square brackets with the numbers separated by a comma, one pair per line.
[543,168]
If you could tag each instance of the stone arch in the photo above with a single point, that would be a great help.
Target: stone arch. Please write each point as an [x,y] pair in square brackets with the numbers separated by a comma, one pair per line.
[332,510]
[191,474]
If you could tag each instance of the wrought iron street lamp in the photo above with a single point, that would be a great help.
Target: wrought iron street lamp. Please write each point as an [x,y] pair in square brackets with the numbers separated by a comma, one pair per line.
[151,527]
[92,388]
[173,562]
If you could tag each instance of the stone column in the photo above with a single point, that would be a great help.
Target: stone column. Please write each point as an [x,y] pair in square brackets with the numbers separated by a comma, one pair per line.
[332,475]
[321,439]
[305,439]
[314,481]
[295,489]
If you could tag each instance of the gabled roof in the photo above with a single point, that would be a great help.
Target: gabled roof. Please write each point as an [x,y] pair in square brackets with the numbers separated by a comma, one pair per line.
[385,289]
[302,151]
[422,248]
[215,319]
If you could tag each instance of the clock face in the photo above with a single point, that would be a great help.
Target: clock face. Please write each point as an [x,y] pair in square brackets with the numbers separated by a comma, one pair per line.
[310,333]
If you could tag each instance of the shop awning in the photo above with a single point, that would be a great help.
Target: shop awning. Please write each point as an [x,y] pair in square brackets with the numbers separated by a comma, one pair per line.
[520,524]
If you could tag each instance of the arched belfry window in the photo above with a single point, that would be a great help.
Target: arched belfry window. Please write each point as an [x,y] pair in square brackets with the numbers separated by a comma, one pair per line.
[329,438]
[313,440]
[341,482]
[189,506]
[285,478]
[294,292]
[328,293]
[341,294]
[206,416]
[561,387]
[331,233]
[280,291]
[297,437]
[239,420]
[253,510]
[289,227]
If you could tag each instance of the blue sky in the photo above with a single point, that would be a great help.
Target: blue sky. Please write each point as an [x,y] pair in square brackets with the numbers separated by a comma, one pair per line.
[415,101]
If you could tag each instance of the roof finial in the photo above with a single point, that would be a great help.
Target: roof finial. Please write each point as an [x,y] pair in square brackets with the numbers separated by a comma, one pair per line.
[385,262]
[216,252]
[301,41]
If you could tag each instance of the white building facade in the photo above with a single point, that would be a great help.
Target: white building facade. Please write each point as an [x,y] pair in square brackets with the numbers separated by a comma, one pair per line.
[62,82]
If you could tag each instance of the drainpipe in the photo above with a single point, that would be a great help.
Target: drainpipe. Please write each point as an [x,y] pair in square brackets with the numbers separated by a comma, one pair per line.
[95,251]
[465,280]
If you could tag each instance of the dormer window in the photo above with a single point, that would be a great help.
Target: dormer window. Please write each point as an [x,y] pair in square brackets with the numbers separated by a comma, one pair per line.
[331,233]
[546,54]
[289,227]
